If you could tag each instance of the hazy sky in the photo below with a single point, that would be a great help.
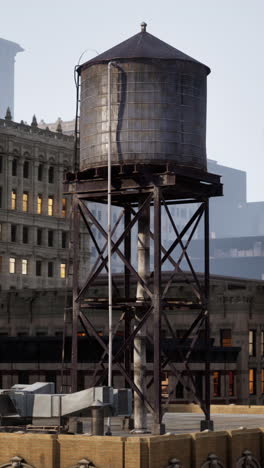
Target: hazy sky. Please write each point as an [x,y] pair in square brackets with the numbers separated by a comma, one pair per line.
[227,35]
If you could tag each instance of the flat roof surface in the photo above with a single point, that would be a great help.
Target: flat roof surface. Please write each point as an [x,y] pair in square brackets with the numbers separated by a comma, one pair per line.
[180,423]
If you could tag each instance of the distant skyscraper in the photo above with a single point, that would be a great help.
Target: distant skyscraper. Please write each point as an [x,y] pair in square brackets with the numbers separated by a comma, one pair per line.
[8,51]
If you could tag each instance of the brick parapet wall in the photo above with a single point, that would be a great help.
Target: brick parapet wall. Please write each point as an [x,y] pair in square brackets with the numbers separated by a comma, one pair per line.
[192,450]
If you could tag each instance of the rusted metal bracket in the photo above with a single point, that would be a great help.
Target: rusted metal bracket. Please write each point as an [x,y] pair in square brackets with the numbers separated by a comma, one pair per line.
[212,462]
[84,463]
[247,460]
[175,463]
[16,462]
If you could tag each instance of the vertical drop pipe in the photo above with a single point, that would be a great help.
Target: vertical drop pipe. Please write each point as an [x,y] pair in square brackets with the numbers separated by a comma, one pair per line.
[75,291]
[109,239]
[143,250]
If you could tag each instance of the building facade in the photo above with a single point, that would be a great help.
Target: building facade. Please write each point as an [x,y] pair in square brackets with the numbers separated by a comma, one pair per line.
[31,344]
[34,213]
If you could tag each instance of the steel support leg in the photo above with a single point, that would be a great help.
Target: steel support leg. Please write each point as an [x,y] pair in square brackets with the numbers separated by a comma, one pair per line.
[140,412]
[127,246]
[158,427]
[207,423]
[75,287]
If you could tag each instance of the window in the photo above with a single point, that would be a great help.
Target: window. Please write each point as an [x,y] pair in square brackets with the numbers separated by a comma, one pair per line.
[183,213]
[13,199]
[252,381]
[226,337]
[50,206]
[64,207]
[63,270]
[26,170]
[14,167]
[51,376]
[40,172]
[39,204]
[262,342]
[80,381]
[51,175]
[216,384]
[180,333]
[50,238]
[252,342]
[231,383]
[24,266]
[13,232]
[179,392]
[25,235]
[50,269]
[12,265]
[41,333]
[262,380]
[23,377]
[1,197]
[63,239]
[164,384]
[25,201]
[202,336]
[199,384]
[39,236]
[38,267]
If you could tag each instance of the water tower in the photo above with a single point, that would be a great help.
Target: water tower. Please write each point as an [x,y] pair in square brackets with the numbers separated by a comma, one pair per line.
[143,148]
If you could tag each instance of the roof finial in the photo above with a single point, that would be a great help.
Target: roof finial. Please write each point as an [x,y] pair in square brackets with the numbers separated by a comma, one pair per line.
[143,26]
[59,127]
[34,122]
[8,115]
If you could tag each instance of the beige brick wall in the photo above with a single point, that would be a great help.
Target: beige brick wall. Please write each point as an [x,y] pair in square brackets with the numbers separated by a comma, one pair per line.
[104,452]
[162,449]
[65,451]
[136,452]
[38,450]
[207,443]
[246,439]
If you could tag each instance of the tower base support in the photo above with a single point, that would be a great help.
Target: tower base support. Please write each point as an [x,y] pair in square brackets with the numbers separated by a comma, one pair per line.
[158,429]
[207,424]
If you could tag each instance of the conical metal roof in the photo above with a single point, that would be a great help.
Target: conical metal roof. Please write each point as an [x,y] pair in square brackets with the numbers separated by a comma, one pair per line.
[142,46]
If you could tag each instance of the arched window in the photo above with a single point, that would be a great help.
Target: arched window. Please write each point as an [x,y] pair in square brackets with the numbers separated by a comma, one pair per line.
[40,171]
[51,175]
[26,170]
[14,167]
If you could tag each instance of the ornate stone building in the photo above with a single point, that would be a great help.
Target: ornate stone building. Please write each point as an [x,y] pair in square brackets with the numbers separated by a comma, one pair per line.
[34,213]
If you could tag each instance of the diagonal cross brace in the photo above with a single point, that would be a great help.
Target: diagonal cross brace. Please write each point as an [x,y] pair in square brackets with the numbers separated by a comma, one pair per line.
[100,252]
[173,262]
[183,232]
[184,247]
[114,248]
[87,324]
